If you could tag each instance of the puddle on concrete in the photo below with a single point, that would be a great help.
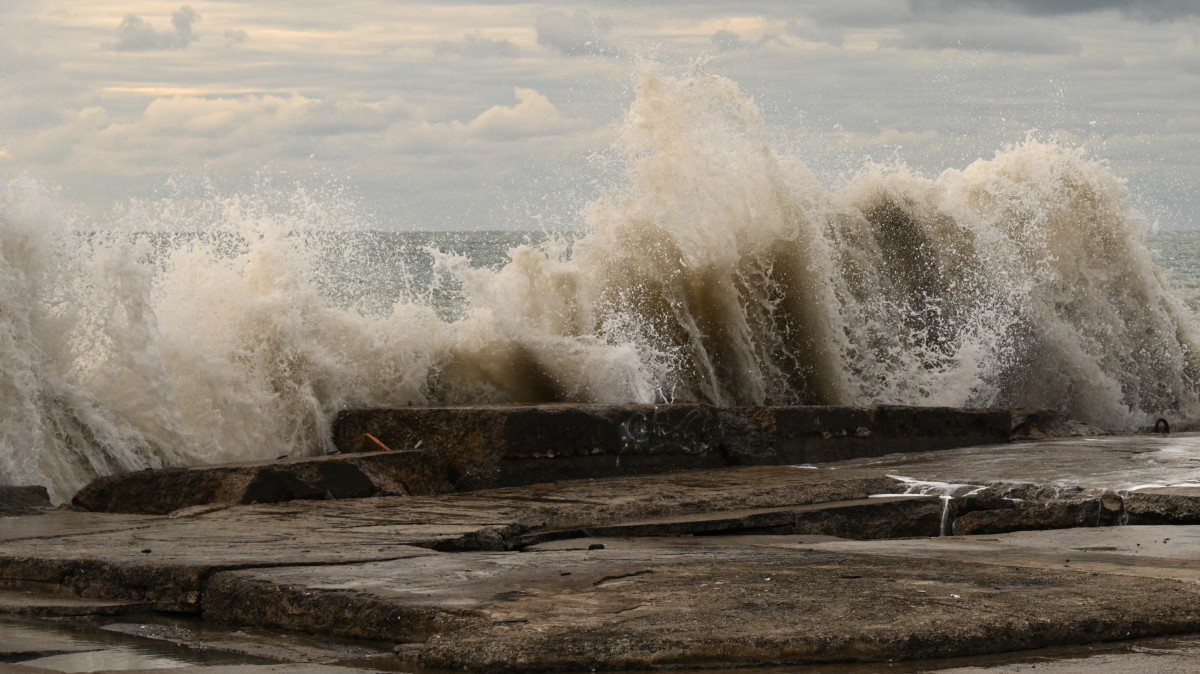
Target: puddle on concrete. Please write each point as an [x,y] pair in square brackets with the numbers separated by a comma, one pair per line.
[150,641]
[107,659]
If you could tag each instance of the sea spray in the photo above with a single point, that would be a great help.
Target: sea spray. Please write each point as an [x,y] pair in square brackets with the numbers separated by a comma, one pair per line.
[712,269]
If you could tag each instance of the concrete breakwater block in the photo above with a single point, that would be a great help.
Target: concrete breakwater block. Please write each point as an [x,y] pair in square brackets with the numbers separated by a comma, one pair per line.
[159,492]
[1164,505]
[442,449]
[509,445]
[23,500]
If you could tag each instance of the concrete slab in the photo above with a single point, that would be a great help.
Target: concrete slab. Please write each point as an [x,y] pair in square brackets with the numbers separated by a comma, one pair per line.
[1119,462]
[714,601]
[159,492]
[165,561]
[1142,551]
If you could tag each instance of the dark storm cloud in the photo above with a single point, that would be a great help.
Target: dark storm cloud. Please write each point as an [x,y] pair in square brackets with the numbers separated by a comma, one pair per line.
[574,32]
[135,34]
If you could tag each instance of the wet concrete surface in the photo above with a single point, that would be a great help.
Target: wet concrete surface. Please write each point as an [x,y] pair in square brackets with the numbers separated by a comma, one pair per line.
[151,641]
[721,567]
[1119,462]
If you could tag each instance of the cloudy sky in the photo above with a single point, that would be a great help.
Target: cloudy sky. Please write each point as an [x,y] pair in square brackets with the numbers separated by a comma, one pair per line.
[476,116]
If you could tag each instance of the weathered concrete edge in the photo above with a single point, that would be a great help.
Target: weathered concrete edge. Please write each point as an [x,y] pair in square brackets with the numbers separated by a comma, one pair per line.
[875,646]
[232,597]
[160,492]
[167,587]
[448,449]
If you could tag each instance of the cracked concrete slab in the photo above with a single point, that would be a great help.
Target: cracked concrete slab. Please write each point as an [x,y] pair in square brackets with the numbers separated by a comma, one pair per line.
[702,601]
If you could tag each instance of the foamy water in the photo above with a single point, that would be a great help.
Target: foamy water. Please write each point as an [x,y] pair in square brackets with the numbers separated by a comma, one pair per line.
[713,269]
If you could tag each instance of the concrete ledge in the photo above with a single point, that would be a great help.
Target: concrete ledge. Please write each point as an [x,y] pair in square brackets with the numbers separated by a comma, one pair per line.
[1166,505]
[23,500]
[716,601]
[511,445]
[821,434]
[159,492]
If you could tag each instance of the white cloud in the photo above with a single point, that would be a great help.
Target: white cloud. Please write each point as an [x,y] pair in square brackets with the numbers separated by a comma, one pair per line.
[190,126]
[135,34]
[264,126]
[534,115]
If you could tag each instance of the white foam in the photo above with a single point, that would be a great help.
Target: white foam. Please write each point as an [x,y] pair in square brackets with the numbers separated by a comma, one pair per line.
[712,270]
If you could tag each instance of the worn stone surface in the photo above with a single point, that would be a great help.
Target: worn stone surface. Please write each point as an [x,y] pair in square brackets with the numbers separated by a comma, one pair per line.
[701,602]
[158,492]
[23,500]
[1165,505]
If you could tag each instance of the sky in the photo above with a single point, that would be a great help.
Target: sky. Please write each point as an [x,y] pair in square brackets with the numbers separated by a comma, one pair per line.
[443,115]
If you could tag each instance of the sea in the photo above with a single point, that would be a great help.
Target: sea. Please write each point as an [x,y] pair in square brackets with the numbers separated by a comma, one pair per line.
[711,268]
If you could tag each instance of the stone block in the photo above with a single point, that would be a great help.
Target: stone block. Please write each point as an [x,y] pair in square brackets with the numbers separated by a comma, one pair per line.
[1166,505]
[159,492]
[510,445]
[821,434]
[24,499]
[1066,514]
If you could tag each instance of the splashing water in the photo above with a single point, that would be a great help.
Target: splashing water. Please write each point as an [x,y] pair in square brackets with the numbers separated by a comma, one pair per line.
[713,270]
